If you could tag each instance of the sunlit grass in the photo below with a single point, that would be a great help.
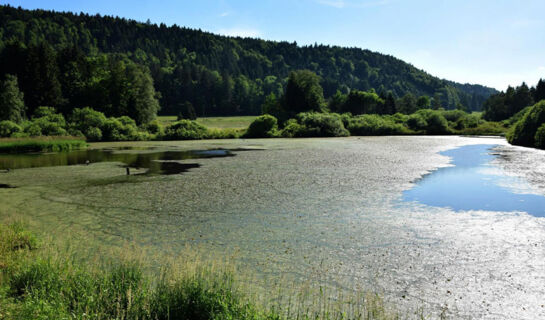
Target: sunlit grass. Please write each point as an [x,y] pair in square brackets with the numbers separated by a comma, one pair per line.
[41,144]
[44,280]
[237,122]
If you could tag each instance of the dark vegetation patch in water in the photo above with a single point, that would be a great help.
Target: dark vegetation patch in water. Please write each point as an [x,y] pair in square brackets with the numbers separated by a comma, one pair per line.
[156,162]
[469,186]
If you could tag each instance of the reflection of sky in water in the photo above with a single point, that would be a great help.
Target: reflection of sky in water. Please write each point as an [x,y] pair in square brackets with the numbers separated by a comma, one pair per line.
[469,186]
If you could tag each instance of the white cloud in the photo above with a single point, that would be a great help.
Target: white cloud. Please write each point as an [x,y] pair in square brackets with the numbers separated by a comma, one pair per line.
[225,14]
[340,4]
[240,32]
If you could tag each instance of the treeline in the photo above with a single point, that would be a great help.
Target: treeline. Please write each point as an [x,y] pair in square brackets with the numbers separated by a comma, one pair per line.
[37,76]
[304,93]
[190,70]
[506,104]
[300,111]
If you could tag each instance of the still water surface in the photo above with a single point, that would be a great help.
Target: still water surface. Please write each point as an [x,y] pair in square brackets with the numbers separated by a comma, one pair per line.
[469,185]
[351,213]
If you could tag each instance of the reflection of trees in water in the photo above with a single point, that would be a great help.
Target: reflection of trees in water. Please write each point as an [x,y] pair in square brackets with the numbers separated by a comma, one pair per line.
[156,162]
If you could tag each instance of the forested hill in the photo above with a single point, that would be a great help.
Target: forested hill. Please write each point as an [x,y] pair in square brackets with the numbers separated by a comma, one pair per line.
[217,75]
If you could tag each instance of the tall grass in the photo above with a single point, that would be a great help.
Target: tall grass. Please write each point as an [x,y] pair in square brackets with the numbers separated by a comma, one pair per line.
[41,144]
[46,283]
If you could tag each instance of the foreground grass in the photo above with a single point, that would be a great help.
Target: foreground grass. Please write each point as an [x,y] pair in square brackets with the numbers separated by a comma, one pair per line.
[41,144]
[39,282]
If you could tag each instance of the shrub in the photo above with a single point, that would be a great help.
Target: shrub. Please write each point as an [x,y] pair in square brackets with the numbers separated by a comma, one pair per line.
[93,134]
[226,133]
[436,122]
[8,128]
[265,126]
[321,125]
[32,129]
[154,127]
[417,122]
[292,128]
[97,127]
[524,131]
[399,118]
[518,116]
[186,130]
[86,118]
[120,129]
[51,128]
[375,125]
[468,121]
[453,115]
[46,122]
[540,137]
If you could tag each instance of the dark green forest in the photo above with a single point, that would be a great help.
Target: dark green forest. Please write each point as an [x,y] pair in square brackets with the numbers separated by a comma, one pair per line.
[504,105]
[124,67]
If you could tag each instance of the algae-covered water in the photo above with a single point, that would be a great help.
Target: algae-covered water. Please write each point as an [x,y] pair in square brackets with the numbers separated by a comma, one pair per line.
[346,212]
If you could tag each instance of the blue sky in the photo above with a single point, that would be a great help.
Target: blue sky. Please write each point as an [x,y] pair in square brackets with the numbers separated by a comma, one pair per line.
[490,42]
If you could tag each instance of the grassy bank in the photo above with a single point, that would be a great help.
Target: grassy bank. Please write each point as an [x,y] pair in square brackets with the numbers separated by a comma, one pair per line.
[38,281]
[235,122]
[41,144]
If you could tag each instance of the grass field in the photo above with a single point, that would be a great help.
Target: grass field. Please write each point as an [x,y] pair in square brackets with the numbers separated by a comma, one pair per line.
[41,144]
[241,122]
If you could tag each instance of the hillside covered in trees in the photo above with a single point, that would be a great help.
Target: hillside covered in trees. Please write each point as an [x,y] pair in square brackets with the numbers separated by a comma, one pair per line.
[124,67]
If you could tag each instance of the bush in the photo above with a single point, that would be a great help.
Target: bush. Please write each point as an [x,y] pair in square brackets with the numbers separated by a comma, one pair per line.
[32,129]
[486,128]
[417,122]
[9,128]
[46,122]
[265,126]
[120,129]
[540,137]
[468,121]
[226,133]
[186,130]
[375,125]
[292,129]
[154,127]
[321,125]
[51,128]
[525,130]
[86,118]
[93,134]
[436,122]
[517,117]
[97,127]
[453,115]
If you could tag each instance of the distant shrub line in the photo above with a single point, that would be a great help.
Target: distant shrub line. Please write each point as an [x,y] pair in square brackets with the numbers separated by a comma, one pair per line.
[424,121]
[95,126]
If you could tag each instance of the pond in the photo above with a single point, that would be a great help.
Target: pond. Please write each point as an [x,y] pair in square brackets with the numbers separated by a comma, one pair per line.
[347,212]
[470,185]
[155,162]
